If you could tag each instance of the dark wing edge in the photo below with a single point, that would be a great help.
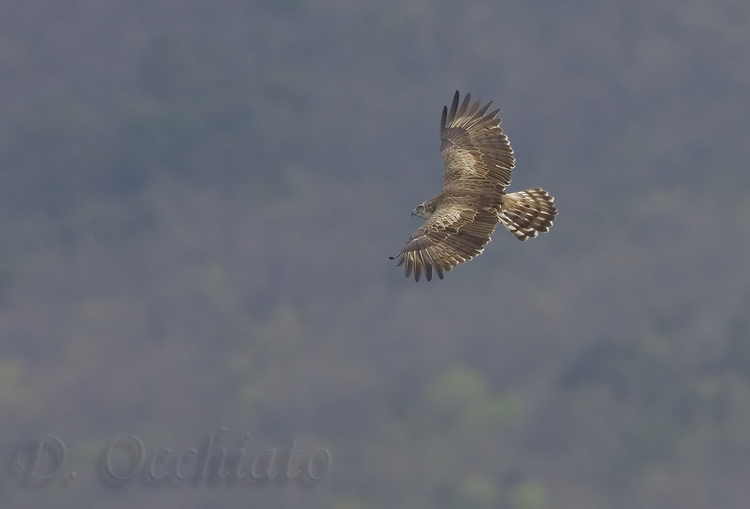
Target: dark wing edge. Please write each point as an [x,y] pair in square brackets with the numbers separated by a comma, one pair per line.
[440,248]
[473,144]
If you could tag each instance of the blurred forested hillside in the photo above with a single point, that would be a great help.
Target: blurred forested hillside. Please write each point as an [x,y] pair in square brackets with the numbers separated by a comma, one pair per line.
[198,201]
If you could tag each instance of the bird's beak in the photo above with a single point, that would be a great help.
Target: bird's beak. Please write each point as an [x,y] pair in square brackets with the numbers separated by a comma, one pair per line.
[413,213]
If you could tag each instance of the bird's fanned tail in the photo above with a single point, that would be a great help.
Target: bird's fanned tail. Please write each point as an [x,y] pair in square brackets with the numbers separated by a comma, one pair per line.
[526,213]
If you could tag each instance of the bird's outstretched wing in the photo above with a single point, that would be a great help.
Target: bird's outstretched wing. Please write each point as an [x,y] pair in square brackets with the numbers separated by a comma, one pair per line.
[455,233]
[478,164]
[475,150]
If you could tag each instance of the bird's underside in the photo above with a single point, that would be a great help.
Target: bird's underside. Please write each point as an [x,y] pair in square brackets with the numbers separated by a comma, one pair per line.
[478,162]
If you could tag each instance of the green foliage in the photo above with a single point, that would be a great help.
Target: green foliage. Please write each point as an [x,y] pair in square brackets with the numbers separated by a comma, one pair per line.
[19,401]
[475,492]
[460,400]
[528,495]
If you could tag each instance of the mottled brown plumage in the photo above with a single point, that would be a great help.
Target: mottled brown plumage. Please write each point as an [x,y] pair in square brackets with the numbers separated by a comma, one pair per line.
[478,162]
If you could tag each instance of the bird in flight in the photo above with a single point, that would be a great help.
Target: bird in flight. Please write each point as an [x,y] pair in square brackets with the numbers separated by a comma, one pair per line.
[460,219]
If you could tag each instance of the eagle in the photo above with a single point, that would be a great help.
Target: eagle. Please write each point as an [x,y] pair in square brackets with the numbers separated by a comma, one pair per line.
[459,220]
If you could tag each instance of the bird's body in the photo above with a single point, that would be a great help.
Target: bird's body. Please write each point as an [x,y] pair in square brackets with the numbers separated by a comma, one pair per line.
[459,220]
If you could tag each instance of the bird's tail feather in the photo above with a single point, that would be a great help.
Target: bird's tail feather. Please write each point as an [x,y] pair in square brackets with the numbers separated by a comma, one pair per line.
[526,213]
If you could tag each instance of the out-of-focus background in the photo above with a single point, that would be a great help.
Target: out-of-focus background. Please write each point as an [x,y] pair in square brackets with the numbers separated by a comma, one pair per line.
[198,201]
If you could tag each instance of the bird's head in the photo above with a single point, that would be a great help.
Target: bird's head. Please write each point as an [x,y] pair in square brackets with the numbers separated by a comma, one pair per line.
[423,210]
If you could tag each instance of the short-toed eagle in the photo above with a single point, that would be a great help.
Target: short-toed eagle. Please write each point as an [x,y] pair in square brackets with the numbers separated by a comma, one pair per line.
[460,219]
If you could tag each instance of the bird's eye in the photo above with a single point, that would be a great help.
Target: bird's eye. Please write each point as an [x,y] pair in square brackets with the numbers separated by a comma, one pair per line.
[420,208]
